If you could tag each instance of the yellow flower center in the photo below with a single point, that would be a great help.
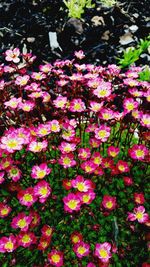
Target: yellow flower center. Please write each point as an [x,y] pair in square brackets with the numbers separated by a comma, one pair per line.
[130,106]
[86,198]
[48,232]
[139,215]
[43,191]
[75,239]
[66,161]
[77,106]
[80,187]
[109,204]
[97,160]
[22,223]
[26,239]
[9,245]
[102,133]
[102,92]
[139,153]
[43,131]
[81,250]
[103,253]
[72,204]
[12,143]
[55,258]
[88,168]
[41,174]
[4,211]
[27,198]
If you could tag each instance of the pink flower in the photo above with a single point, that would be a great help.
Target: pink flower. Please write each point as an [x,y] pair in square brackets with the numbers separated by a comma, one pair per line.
[66,147]
[130,104]
[45,68]
[131,82]
[11,143]
[54,126]
[139,198]
[22,80]
[40,171]
[102,133]
[81,184]
[13,55]
[81,249]
[60,102]
[25,239]
[77,105]
[113,151]
[21,221]
[46,231]
[76,237]
[43,243]
[109,202]
[127,180]
[91,264]
[95,106]
[138,214]
[67,160]
[145,120]
[138,152]
[122,166]
[84,153]
[107,163]
[8,244]
[106,114]
[68,132]
[55,258]
[37,146]
[38,76]
[86,197]
[13,103]
[5,163]
[88,166]
[42,190]
[79,54]
[103,90]
[26,105]
[96,158]
[4,210]
[14,173]
[102,251]
[71,203]
[27,197]
[94,143]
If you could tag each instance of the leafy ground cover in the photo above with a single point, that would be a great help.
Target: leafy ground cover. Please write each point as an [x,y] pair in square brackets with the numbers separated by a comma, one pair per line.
[74,164]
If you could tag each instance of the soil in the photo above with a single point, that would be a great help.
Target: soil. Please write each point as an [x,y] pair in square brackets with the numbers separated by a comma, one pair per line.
[102,33]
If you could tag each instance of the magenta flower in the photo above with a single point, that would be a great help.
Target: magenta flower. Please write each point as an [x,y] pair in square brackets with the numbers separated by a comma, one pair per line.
[88,166]
[42,190]
[113,151]
[81,184]
[37,146]
[38,76]
[22,80]
[60,102]
[13,55]
[13,103]
[81,249]
[139,198]
[95,106]
[84,153]
[86,197]
[4,210]
[40,171]
[25,239]
[27,197]
[102,133]
[21,221]
[106,114]
[139,215]
[66,147]
[77,105]
[11,143]
[45,68]
[55,258]
[54,126]
[2,177]
[103,90]
[145,120]
[26,105]
[14,173]
[122,166]
[109,202]
[8,244]
[46,231]
[96,158]
[79,54]
[130,104]
[102,251]
[138,152]
[71,203]
[67,160]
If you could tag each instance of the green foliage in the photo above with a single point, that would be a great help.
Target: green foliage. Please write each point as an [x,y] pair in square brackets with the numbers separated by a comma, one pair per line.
[108,3]
[131,54]
[76,7]
[145,75]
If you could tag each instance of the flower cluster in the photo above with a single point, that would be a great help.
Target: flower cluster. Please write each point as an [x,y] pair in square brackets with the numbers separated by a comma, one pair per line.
[74,162]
